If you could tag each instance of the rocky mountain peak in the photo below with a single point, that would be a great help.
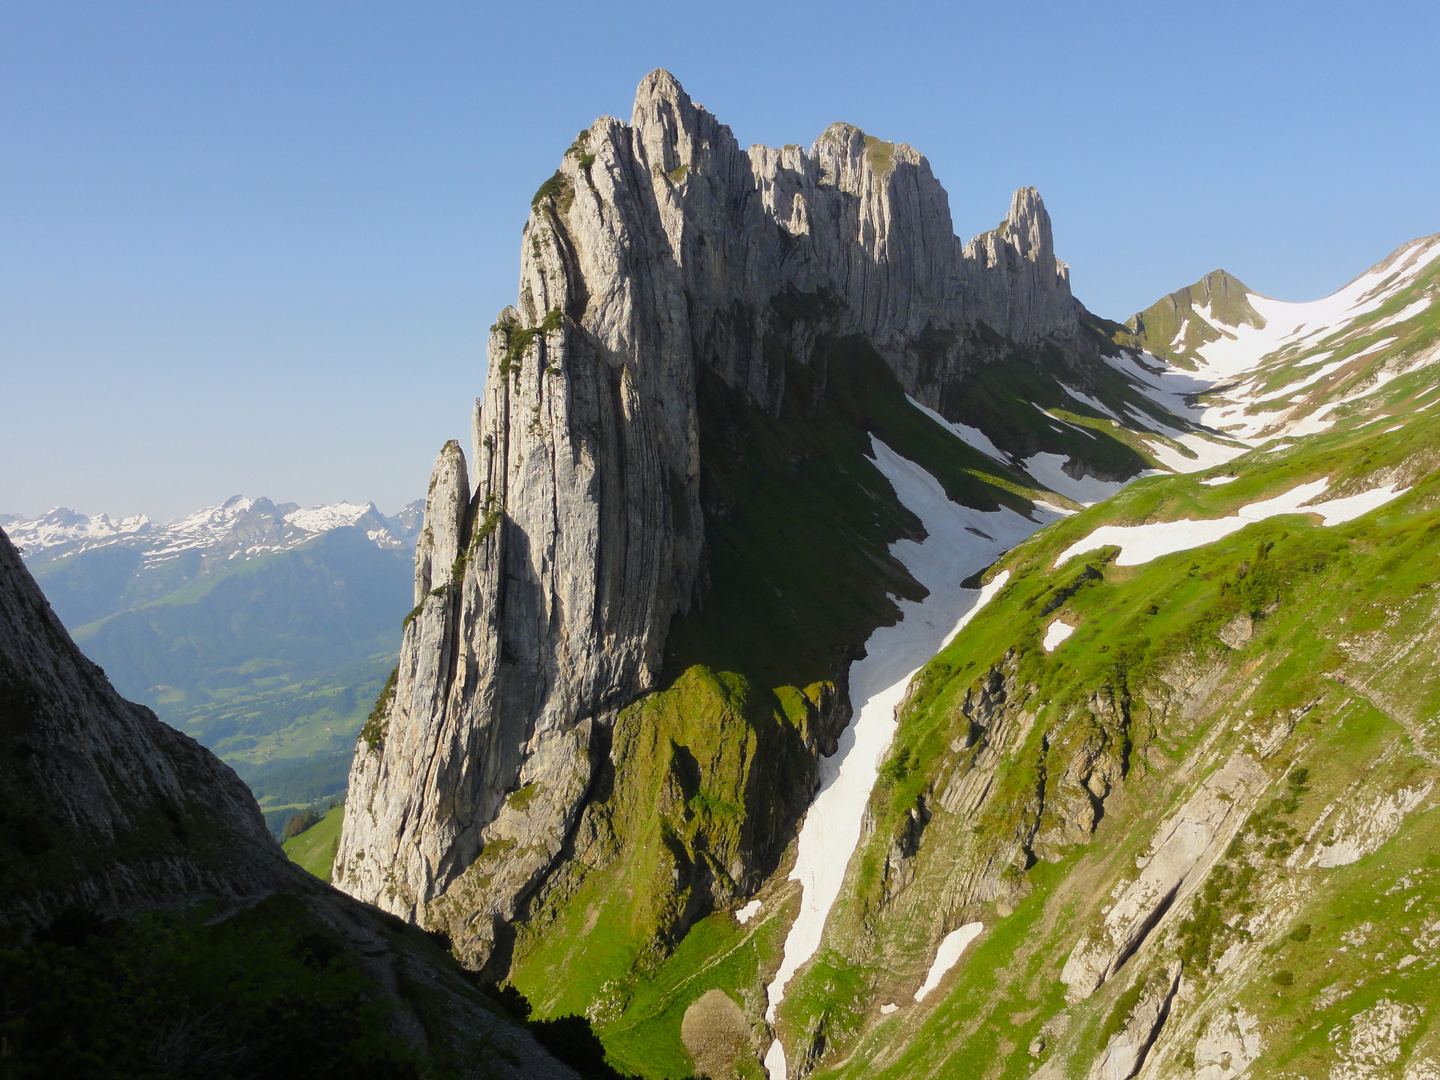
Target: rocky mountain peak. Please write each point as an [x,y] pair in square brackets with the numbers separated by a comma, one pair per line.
[660,258]
[1027,227]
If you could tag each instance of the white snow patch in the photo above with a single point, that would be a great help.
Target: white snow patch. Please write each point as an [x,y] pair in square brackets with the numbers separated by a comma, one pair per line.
[887,1009]
[1207,454]
[1055,633]
[746,913]
[948,955]
[1395,427]
[1179,342]
[1404,315]
[1094,403]
[1216,481]
[1142,543]
[324,518]
[775,1064]
[1062,511]
[893,654]
[1318,374]
[1047,470]
[973,437]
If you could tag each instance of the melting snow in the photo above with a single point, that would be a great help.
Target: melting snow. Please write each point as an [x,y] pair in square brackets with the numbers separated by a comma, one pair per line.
[1047,471]
[775,1064]
[893,654]
[1142,543]
[746,913]
[1407,313]
[948,955]
[1216,481]
[972,437]
[886,1010]
[325,518]
[1055,633]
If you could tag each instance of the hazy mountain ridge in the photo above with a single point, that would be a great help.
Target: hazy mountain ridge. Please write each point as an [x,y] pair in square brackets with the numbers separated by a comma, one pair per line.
[263,630]
[239,527]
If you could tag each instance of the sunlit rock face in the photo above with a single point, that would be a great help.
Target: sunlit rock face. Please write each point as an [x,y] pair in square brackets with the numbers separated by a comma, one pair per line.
[553,561]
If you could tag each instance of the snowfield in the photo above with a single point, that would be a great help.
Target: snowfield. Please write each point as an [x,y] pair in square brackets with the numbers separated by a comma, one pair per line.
[1141,543]
[949,553]
[1055,633]
[948,955]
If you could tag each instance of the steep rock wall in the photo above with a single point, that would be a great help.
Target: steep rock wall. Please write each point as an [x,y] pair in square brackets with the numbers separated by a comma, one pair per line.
[658,250]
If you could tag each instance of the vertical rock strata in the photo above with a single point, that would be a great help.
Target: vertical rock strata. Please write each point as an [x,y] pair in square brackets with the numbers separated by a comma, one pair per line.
[544,598]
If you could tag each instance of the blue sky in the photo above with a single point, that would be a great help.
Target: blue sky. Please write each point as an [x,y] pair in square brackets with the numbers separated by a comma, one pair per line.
[255,248]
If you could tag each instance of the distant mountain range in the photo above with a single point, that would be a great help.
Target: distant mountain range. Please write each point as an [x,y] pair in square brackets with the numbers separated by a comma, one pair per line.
[264,630]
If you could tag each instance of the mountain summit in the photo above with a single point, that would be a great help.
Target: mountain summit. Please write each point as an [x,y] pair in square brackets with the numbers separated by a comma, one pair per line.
[707,340]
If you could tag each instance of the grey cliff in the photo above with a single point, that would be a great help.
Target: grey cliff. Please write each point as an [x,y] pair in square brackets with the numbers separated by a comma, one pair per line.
[659,251]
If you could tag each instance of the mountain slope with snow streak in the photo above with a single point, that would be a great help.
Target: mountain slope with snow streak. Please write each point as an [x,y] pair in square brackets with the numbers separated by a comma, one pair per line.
[1179,767]
[1268,369]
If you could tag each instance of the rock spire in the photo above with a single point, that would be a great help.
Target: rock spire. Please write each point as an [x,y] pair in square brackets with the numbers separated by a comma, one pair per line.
[660,250]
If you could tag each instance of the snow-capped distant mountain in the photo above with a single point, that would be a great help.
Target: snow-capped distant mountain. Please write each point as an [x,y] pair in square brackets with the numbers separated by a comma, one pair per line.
[239,528]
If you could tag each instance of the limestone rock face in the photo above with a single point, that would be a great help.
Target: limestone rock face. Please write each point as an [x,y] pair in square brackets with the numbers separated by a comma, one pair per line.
[659,250]
[1181,852]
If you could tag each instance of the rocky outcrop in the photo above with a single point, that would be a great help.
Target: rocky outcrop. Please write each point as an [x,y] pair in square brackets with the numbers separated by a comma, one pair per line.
[659,250]
[1180,855]
[1124,1053]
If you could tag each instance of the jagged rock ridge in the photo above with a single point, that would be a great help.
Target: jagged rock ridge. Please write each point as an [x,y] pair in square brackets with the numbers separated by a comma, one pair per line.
[659,255]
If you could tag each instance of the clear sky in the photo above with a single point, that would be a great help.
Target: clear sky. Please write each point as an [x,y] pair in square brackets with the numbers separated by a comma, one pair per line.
[255,248]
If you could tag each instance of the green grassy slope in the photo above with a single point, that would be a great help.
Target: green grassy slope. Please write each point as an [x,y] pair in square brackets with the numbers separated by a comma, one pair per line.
[314,849]
[1333,692]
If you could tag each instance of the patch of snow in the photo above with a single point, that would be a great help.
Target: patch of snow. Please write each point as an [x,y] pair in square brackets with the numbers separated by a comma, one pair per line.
[887,1009]
[1142,543]
[775,1065]
[1055,633]
[948,955]
[1404,315]
[1216,481]
[1318,374]
[893,655]
[1043,505]
[324,518]
[1395,427]
[1094,403]
[1279,447]
[972,437]
[1207,454]
[748,912]
[1047,471]
[1179,342]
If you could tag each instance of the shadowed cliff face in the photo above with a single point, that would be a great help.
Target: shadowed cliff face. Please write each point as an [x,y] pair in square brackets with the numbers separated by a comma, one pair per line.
[103,806]
[113,828]
[659,251]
